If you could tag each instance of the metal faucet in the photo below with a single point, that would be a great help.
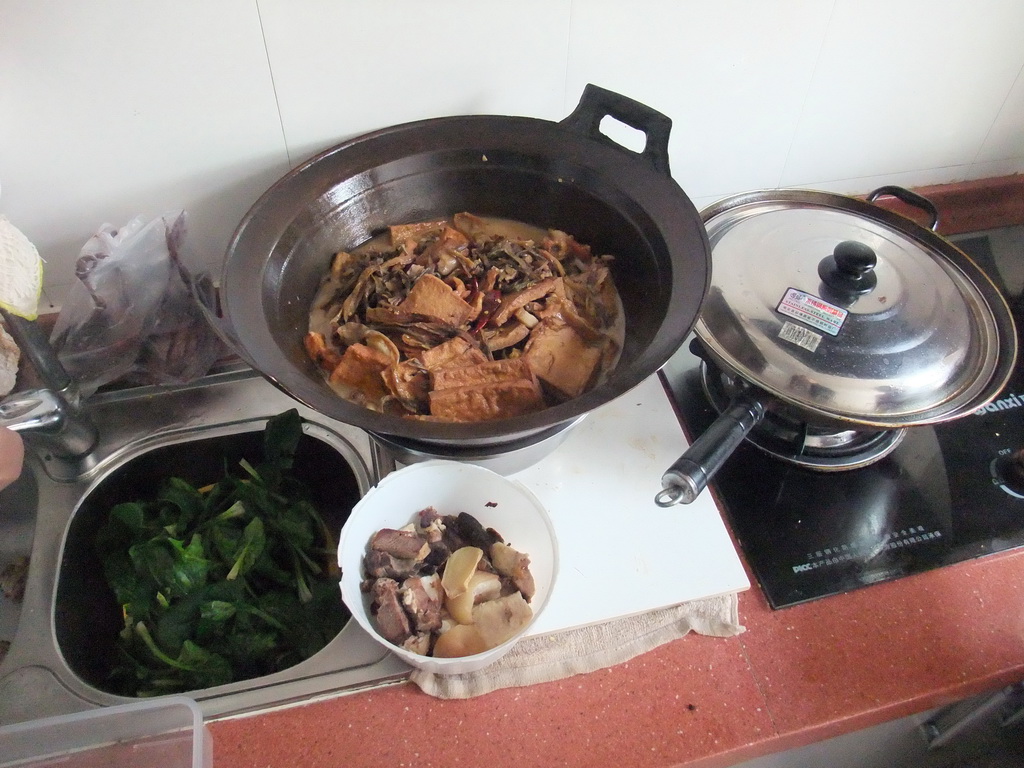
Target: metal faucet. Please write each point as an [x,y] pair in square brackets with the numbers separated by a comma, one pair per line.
[52,415]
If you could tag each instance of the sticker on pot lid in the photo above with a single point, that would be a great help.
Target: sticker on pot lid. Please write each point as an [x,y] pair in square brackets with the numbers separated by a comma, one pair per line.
[815,312]
[802,337]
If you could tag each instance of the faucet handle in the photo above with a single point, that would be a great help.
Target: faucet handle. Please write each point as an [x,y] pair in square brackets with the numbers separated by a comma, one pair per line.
[66,433]
[34,409]
[53,414]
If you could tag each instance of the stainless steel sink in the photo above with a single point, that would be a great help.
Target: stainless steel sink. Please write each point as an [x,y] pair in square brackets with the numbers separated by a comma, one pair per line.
[60,632]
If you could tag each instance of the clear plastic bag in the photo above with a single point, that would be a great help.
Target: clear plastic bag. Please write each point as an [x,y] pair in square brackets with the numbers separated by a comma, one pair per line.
[132,316]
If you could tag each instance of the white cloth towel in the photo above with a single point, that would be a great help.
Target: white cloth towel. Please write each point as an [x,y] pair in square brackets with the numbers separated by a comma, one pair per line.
[559,655]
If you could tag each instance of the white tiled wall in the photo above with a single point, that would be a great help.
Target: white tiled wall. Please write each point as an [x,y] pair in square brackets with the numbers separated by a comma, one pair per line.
[113,108]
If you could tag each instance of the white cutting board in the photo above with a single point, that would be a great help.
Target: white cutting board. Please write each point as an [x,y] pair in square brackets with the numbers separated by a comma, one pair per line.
[619,552]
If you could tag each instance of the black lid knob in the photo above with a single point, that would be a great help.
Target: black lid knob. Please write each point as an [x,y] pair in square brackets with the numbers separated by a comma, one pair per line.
[850,269]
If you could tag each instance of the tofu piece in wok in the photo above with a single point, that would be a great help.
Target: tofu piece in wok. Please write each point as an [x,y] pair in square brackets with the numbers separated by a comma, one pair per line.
[493,390]
[433,298]
[561,358]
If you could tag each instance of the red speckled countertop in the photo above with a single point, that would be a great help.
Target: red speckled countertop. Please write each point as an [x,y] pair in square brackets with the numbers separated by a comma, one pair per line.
[796,676]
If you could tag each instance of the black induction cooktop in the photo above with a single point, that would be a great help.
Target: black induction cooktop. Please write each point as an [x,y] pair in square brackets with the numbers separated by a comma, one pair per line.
[947,493]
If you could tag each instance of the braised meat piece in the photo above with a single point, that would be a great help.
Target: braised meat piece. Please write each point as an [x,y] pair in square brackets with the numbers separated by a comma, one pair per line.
[422,599]
[439,552]
[419,643]
[516,566]
[401,544]
[382,565]
[429,518]
[385,605]
[473,533]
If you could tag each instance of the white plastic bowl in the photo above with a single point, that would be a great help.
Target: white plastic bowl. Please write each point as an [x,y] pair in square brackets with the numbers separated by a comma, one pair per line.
[450,487]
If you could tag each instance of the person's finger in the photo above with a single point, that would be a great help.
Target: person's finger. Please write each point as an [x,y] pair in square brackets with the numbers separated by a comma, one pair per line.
[12,455]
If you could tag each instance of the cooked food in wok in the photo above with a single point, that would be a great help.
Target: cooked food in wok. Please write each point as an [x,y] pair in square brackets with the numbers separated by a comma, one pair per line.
[466,319]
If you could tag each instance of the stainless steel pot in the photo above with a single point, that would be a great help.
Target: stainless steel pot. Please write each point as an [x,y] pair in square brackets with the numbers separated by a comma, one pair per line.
[566,175]
[844,312]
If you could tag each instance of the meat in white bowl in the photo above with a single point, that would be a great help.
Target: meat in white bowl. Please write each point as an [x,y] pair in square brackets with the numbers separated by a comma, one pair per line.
[450,488]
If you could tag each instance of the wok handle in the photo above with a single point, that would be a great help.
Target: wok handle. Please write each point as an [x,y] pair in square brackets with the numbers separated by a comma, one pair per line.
[683,481]
[597,103]
[910,198]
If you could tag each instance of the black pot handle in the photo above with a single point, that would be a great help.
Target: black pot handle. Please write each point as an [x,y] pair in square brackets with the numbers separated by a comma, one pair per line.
[683,482]
[910,198]
[597,103]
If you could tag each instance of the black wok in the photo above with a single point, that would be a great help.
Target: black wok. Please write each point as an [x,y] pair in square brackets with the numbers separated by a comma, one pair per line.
[566,175]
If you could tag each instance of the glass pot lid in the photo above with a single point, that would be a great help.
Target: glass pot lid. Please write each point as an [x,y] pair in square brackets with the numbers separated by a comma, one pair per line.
[851,311]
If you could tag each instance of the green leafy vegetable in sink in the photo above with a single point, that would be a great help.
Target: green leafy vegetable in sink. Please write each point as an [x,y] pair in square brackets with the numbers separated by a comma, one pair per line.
[227,582]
